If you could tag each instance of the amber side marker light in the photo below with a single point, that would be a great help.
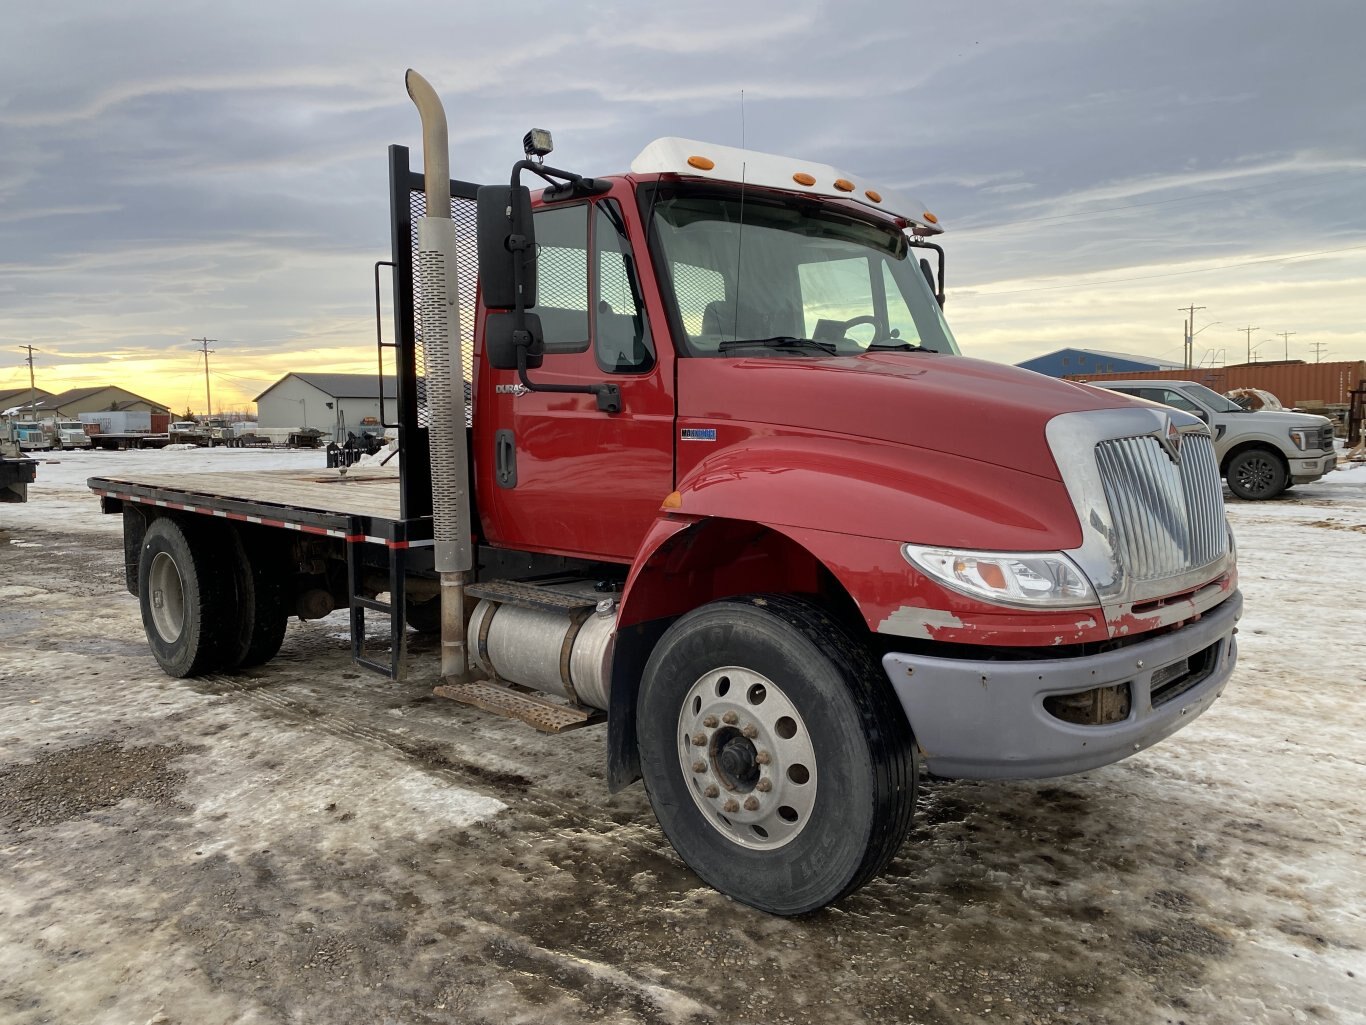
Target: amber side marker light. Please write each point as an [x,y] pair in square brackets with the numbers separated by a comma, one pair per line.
[876,197]
[673,501]
[701,163]
[844,185]
[802,178]
[931,218]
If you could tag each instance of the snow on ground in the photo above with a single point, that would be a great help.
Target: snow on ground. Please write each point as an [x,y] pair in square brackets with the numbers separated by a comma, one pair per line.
[309,843]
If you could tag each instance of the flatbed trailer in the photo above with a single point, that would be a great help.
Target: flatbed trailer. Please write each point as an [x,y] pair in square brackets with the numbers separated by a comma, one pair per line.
[122,441]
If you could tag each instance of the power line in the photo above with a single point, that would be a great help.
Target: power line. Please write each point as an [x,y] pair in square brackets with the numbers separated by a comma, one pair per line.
[1190,330]
[32,389]
[1285,336]
[208,399]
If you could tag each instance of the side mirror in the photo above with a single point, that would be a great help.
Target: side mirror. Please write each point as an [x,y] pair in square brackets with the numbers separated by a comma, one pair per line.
[506,237]
[500,341]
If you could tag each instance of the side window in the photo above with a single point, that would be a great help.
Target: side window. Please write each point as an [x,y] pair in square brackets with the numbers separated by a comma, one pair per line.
[899,317]
[562,277]
[1175,398]
[621,333]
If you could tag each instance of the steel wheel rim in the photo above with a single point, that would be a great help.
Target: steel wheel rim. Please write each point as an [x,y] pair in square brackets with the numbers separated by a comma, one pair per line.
[747,757]
[168,597]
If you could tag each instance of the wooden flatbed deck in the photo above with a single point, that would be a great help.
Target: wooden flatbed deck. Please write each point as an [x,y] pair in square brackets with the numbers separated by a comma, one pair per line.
[363,504]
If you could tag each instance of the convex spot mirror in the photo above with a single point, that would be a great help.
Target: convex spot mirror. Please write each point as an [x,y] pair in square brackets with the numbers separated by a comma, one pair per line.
[500,341]
[506,239]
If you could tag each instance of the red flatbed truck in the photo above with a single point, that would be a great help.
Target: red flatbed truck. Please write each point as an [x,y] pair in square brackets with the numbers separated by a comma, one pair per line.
[728,486]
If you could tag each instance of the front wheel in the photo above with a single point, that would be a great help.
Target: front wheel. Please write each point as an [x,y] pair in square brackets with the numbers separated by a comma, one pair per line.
[1257,474]
[775,755]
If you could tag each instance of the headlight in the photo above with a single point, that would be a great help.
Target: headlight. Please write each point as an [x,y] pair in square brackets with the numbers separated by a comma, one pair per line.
[1305,438]
[1021,579]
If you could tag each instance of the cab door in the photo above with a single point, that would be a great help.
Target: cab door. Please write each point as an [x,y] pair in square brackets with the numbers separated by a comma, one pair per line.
[556,474]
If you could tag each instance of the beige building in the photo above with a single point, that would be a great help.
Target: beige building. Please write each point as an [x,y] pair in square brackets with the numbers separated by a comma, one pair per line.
[99,399]
[15,402]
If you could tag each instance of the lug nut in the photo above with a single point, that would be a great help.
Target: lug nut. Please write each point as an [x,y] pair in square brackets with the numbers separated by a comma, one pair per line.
[731,806]
[712,791]
[763,758]
[700,739]
[710,722]
[730,718]
[699,766]
[764,786]
[751,803]
[751,731]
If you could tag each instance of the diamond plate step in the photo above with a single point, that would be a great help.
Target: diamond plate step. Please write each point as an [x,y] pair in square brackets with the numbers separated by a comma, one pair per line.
[546,716]
[530,596]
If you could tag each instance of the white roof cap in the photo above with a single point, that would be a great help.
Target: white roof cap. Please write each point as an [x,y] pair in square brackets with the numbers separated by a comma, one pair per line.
[768,170]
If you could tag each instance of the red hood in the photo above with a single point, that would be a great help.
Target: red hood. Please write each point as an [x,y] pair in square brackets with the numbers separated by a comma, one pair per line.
[968,407]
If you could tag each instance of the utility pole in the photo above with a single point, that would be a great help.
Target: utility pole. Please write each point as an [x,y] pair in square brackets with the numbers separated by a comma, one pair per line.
[1190,329]
[208,398]
[1320,350]
[32,390]
[1249,331]
[1285,336]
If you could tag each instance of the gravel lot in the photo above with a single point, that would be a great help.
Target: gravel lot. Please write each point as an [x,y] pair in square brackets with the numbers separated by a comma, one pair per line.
[309,843]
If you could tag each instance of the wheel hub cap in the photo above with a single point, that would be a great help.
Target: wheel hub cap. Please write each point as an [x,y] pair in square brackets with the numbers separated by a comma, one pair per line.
[748,758]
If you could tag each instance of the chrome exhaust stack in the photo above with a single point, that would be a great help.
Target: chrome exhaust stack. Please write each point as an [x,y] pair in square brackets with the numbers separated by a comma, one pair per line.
[443,359]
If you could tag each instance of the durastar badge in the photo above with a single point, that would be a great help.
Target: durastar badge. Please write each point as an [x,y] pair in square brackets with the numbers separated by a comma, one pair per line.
[511,389]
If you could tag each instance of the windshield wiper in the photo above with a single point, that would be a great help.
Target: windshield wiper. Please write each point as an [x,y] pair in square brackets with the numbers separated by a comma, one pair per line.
[778,342]
[896,347]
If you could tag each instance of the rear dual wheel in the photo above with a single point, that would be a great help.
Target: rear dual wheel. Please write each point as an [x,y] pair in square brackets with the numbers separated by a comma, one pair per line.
[776,758]
[207,602]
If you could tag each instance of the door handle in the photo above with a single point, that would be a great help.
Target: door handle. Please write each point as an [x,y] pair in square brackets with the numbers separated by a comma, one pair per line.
[505,458]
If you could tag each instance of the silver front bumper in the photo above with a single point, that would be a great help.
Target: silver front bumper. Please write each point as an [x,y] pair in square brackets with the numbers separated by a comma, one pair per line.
[986,720]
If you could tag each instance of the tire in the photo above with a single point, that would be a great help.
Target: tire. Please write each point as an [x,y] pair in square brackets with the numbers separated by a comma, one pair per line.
[831,805]
[1256,474]
[263,605]
[185,591]
[424,616]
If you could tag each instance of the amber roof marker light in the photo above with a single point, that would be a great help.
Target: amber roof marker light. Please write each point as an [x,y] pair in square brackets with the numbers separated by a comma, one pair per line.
[802,178]
[844,185]
[701,163]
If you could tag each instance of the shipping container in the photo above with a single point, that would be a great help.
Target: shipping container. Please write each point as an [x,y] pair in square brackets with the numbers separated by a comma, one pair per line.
[1295,384]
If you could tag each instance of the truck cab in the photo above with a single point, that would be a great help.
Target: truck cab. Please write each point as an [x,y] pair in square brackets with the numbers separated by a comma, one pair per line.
[1260,453]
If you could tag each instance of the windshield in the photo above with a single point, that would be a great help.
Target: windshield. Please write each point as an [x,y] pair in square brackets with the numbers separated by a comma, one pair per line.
[1213,400]
[801,278]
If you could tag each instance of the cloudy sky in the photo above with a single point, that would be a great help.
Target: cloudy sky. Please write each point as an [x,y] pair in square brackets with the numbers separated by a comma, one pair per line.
[170,170]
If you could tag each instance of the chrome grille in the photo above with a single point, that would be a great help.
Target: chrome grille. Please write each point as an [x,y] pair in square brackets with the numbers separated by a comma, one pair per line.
[1168,516]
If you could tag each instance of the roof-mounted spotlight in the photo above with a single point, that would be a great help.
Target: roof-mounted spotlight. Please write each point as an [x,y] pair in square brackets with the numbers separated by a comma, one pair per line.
[537,144]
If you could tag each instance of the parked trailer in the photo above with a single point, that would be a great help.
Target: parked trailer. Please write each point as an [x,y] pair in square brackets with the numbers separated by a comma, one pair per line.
[723,499]
[16,473]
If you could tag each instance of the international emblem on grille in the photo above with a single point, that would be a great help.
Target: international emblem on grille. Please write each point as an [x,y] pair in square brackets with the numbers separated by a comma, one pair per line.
[1171,443]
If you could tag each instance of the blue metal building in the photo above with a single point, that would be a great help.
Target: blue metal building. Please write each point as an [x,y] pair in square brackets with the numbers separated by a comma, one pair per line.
[1069,362]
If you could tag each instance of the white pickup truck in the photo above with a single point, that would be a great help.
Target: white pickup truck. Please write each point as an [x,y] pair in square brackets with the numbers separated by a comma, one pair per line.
[1260,453]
